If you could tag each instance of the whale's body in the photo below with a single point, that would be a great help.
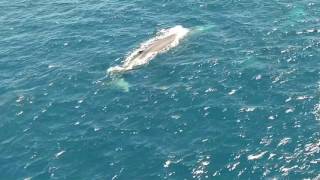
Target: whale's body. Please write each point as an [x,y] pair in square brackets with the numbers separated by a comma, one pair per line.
[164,41]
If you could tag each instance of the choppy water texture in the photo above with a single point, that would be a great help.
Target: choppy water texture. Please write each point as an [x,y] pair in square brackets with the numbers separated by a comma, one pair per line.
[240,100]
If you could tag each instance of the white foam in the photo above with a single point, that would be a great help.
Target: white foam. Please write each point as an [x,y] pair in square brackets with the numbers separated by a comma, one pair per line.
[284,141]
[232,91]
[256,156]
[303,97]
[316,111]
[167,163]
[132,61]
[19,113]
[20,98]
[290,110]
[59,153]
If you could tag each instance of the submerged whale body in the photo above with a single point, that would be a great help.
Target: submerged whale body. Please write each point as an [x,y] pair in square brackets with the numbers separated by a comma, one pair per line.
[164,41]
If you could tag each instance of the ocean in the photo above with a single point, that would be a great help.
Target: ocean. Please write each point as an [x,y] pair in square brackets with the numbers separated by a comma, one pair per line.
[238,100]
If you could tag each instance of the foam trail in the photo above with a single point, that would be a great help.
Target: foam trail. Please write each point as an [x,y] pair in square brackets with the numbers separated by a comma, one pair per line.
[164,41]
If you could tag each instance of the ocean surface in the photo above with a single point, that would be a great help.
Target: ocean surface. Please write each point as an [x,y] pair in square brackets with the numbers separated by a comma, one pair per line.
[237,100]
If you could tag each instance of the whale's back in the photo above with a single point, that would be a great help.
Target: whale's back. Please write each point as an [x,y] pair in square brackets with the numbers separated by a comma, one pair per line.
[166,40]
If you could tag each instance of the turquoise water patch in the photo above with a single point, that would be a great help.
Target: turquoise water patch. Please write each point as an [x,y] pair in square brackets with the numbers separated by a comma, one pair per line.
[238,99]
[119,83]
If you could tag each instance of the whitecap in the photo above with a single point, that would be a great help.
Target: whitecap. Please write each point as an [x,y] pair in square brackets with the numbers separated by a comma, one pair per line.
[258,77]
[176,116]
[303,97]
[20,98]
[256,156]
[19,113]
[284,141]
[316,111]
[232,91]
[167,163]
[59,153]
[290,110]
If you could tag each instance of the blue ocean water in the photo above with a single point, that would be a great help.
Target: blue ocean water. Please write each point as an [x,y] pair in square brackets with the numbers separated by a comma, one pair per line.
[239,100]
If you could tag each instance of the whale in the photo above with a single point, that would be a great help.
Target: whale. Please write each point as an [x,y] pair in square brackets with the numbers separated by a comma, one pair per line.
[165,40]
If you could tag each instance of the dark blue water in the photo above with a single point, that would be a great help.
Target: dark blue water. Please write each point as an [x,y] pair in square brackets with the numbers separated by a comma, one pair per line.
[237,101]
